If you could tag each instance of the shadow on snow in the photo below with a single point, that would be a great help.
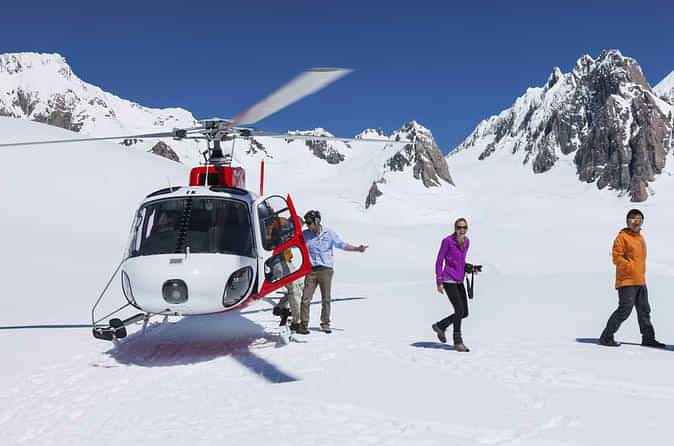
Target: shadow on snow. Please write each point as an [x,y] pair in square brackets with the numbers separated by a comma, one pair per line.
[596,342]
[197,339]
[194,339]
[432,345]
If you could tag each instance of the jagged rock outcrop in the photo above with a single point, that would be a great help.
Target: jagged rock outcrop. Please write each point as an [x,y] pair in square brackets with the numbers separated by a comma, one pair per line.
[257,147]
[163,149]
[427,161]
[422,157]
[604,111]
[323,150]
[373,194]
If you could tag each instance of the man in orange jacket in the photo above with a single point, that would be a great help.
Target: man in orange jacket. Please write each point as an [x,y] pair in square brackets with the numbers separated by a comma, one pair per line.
[629,257]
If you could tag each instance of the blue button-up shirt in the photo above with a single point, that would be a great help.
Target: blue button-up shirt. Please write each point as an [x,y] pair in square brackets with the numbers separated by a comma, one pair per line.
[320,246]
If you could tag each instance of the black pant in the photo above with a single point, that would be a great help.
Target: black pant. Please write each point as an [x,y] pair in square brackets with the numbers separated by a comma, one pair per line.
[457,296]
[629,297]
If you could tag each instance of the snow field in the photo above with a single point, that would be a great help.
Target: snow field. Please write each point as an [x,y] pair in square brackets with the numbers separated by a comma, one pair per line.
[534,375]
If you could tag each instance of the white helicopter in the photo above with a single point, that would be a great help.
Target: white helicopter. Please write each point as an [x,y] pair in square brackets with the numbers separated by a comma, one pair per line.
[212,246]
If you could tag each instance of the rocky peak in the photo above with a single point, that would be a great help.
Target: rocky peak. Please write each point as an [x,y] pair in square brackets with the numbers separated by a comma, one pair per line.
[553,78]
[603,110]
[422,155]
[321,149]
[372,134]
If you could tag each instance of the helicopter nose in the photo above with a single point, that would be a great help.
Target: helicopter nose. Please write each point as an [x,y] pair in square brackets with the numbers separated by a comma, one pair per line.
[174,291]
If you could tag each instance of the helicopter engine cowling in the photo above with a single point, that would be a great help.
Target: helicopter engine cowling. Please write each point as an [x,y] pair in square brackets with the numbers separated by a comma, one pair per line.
[157,282]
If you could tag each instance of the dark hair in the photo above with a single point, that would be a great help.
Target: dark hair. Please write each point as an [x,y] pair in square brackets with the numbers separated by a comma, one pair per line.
[633,212]
[312,217]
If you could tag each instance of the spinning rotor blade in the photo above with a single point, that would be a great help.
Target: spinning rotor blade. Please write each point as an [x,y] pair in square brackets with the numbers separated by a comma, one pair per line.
[174,134]
[303,85]
[326,138]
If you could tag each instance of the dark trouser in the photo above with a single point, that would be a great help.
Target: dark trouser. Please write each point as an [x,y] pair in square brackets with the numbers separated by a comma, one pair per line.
[457,296]
[322,277]
[629,297]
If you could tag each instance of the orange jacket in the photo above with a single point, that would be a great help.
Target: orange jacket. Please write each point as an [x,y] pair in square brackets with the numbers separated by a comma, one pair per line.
[629,256]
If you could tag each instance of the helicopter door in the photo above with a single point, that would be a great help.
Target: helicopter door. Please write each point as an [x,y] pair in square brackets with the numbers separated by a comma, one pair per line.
[284,256]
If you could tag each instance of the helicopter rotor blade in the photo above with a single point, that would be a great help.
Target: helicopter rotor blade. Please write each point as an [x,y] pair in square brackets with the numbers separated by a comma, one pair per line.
[181,133]
[326,138]
[303,85]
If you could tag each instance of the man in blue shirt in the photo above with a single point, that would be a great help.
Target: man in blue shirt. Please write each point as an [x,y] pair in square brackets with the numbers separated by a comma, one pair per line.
[320,243]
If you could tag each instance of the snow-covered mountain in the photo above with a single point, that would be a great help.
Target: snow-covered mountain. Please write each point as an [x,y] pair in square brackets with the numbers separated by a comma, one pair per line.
[44,88]
[602,115]
[665,88]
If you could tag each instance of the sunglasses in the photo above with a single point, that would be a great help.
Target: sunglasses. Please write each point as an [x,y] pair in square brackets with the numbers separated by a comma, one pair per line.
[462,227]
[635,221]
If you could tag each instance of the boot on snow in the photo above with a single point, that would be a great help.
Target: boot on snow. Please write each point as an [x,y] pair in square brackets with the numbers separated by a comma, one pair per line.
[440,332]
[460,347]
[608,341]
[651,342]
[302,329]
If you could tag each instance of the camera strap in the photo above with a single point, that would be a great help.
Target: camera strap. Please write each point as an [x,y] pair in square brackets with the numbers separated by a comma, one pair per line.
[469,284]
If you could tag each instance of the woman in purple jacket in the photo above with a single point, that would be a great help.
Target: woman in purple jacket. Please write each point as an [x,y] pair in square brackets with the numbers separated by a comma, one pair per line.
[449,273]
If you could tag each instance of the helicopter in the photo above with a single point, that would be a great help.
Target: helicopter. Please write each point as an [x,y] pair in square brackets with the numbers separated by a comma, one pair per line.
[212,246]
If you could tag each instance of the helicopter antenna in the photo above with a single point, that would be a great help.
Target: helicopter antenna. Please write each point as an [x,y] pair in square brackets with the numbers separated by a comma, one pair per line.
[208,158]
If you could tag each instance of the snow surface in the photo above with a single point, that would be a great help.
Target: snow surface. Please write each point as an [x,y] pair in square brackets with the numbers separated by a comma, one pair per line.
[534,375]
[665,88]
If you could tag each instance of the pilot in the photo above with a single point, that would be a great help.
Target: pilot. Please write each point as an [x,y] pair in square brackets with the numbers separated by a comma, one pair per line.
[320,243]
[165,222]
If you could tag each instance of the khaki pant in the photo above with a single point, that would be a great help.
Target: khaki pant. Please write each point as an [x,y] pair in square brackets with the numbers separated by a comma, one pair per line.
[294,297]
[322,277]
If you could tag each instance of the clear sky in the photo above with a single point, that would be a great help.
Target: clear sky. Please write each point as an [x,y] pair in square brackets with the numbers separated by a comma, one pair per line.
[446,66]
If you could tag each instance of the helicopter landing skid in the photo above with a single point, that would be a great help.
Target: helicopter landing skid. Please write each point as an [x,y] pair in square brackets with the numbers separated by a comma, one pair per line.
[117,327]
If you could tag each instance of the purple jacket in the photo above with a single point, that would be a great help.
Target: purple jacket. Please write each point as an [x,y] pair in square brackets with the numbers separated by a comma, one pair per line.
[454,259]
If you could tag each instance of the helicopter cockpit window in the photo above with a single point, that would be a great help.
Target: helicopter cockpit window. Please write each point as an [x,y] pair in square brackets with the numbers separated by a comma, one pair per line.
[202,224]
[276,222]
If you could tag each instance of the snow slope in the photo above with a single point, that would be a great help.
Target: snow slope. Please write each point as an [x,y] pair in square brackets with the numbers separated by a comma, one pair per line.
[665,88]
[534,375]
[43,87]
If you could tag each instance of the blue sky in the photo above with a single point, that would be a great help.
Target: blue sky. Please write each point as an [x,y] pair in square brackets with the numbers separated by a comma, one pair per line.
[446,66]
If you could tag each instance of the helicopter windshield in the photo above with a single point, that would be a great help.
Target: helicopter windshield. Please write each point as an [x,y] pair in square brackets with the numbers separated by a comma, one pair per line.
[202,224]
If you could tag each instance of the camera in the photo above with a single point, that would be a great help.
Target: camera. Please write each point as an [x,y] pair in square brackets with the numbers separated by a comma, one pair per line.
[470,268]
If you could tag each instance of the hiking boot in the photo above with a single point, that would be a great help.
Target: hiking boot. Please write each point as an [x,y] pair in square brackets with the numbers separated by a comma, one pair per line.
[651,342]
[302,329]
[326,329]
[440,332]
[608,341]
[294,326]
[460,348]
